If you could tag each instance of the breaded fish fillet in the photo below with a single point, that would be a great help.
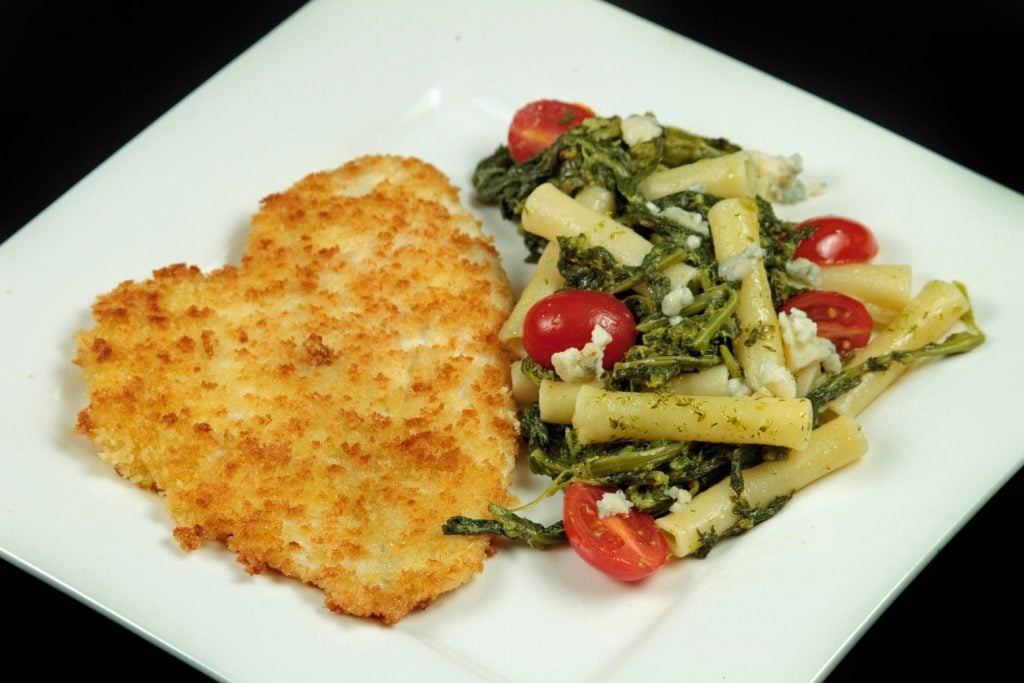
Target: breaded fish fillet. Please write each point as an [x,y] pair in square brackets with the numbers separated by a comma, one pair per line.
[325,407]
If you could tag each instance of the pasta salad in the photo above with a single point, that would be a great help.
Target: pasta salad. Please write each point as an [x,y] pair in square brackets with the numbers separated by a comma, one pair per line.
[687,359]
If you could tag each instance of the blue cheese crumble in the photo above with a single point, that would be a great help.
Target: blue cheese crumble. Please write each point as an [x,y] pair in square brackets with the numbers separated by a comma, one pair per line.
[583,365]
[637,129]
[774,378]
[805,272]
[737,387]
[738,266]
[676,300]
[681,496]
[777,178]
[803,346]
[613,504]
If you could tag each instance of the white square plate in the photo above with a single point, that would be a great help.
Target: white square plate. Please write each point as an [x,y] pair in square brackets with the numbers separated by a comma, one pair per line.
[320,90]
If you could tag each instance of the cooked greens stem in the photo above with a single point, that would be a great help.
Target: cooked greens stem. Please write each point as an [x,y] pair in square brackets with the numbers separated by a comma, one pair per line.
[557,483]
[596,469]
[729,360]
[720,318]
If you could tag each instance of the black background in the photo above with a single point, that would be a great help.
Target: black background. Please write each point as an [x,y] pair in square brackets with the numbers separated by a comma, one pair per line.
[78,80]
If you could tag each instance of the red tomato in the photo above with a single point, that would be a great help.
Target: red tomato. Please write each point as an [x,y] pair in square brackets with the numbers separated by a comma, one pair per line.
[837,240]
[566,319]
[625,547]
[536,126]
[842,320]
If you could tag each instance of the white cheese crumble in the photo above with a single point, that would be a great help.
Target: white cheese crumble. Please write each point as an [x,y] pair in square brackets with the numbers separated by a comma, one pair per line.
[777,178]
[693,242]
[613,504]
[804,271]
[740,265]
[802,344]
[737,387]
[776,379]
[582,365]
[832,362]
[691,220]
[676,300]
[681,496]
[637,129]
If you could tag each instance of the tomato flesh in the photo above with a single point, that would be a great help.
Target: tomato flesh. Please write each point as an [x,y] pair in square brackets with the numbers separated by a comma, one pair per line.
[842,320]
[626,547]
[837,240]
[537,125]
[566,319]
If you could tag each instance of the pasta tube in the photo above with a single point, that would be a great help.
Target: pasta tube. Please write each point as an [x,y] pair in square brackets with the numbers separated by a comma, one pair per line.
[730,175]
[558,400]
[831,446]
[546,280]
[713,381]
[551,213]
[597,198]
[601,415]
[759,347]
[885,286]
[927,318]
[524,391]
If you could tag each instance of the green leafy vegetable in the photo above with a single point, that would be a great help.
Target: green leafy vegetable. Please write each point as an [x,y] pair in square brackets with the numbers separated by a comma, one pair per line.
[666,350]
[587,267]
[510,525]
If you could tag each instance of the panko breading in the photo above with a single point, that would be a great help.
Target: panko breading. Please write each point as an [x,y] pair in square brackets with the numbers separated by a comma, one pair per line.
[325,407]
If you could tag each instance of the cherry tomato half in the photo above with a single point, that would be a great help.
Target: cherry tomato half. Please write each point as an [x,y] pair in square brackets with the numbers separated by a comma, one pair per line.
[842,320]
[625,547]
[566,319]
[837,240]
[537,125]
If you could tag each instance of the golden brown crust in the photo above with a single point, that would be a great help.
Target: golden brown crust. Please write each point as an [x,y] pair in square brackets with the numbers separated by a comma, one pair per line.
[326,406]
